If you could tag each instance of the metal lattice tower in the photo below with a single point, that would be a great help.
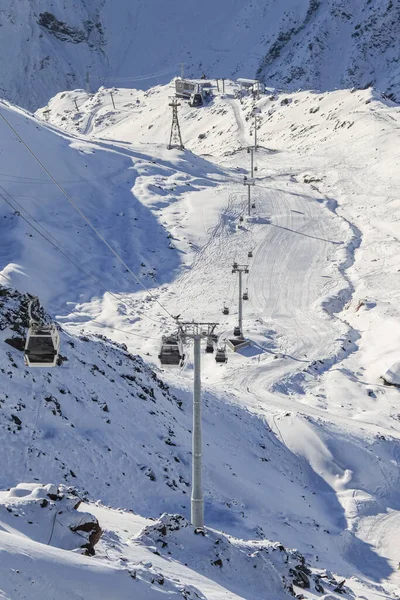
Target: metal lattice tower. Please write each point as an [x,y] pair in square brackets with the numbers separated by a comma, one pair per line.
[175,139]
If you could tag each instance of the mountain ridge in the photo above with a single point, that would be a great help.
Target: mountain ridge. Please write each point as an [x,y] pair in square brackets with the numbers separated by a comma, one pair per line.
[317,44]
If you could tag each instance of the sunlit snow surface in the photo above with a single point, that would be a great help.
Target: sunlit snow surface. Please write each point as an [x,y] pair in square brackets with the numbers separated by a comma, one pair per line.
[301,434]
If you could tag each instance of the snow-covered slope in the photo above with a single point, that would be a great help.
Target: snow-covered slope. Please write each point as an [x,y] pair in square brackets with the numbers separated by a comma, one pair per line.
[300,433]
[102,182]
[105,423]
[137,557]
[322,44]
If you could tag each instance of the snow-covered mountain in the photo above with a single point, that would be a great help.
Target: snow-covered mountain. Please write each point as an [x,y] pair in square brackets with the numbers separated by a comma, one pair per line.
[301,435]
[291,44]
[301,429]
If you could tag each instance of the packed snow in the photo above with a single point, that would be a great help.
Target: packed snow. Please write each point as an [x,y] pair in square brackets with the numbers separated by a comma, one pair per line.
[301,434]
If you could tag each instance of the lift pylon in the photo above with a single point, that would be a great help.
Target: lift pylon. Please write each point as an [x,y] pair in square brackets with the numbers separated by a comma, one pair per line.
[240,269]
[175,138]
[197,331]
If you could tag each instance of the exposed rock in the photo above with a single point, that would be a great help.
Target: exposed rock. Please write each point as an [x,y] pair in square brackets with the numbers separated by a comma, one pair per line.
[61,30]
[94,531]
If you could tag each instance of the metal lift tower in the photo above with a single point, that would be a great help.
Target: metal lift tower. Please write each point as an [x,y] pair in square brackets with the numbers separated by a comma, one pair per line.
[255,114]
[240,269]
[175,138]
[249,183]
[196,332]
[239,341]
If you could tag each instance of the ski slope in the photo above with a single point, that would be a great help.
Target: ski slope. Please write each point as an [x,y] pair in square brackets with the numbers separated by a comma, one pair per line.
[322,314]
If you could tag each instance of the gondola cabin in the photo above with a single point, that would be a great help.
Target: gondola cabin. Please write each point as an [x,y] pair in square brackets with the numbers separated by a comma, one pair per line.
[170,351]
[220,355]
[42,346]
[209,346]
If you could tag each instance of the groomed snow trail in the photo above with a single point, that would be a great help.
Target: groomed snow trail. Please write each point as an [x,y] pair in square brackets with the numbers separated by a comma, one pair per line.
[293,270]
[299,247]
[242,136]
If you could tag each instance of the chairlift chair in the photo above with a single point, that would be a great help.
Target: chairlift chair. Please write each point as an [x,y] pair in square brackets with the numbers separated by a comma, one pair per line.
[245,295]
[236,331]
[171,351]
[42,345]
[250,254]
[225,310]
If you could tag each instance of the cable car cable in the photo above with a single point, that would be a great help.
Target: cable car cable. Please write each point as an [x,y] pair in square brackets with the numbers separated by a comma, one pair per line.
[74,261]
[34,430]
[147,337]
[5,277]
[138,78]
[94,322]
[114,252]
